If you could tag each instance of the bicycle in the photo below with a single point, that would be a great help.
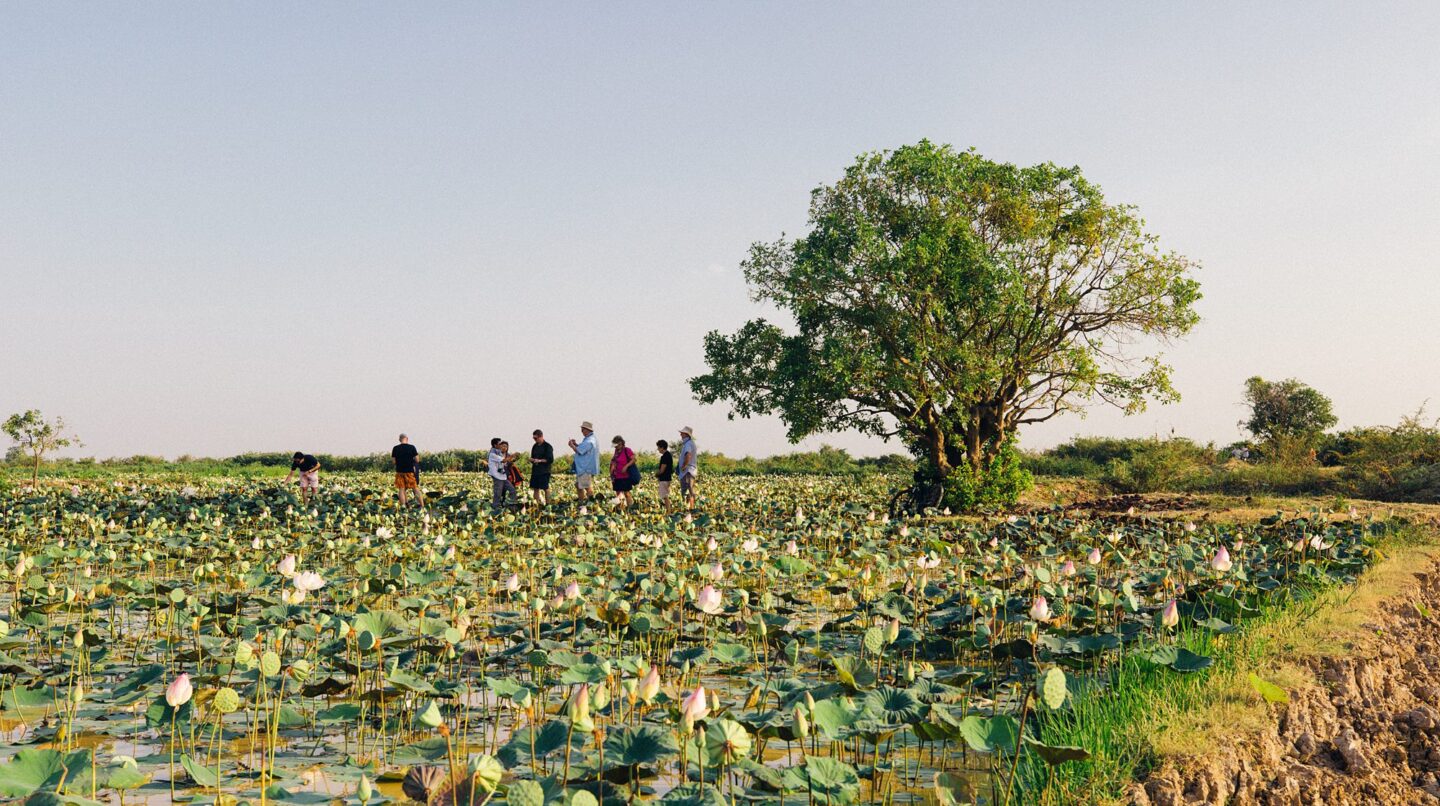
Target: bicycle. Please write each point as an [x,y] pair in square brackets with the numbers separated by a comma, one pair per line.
[926,493]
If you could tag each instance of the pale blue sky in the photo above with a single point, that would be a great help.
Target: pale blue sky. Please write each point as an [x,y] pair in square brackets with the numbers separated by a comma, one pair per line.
[276,226]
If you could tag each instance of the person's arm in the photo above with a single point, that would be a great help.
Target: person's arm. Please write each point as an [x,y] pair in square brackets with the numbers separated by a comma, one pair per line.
[584,448]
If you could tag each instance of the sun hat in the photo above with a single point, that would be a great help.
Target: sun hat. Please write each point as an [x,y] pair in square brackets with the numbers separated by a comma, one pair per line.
[587,425]
[688,431]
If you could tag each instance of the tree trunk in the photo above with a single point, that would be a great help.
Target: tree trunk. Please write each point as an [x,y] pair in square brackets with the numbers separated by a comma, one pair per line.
[35,472]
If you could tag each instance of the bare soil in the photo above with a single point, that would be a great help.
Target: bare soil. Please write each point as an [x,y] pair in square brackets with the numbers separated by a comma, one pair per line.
[1365,731]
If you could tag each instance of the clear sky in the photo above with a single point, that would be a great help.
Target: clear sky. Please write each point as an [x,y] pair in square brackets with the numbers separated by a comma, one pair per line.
[282,226]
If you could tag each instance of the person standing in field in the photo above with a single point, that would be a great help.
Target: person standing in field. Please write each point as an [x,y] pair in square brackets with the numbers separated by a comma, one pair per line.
[624,471]
[309,469]
[407,471]
[689,464]
[587,461]
[497,466]
[542,459]
[664,473]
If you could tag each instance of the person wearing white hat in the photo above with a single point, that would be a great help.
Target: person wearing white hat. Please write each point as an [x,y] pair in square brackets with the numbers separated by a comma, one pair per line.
[587,460]
[688,464]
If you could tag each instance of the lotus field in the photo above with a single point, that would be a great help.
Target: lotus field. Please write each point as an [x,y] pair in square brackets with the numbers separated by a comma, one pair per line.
[223,643]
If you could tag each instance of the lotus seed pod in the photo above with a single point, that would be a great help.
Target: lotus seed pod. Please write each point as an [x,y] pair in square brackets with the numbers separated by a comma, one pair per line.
[269,664]
[227,700]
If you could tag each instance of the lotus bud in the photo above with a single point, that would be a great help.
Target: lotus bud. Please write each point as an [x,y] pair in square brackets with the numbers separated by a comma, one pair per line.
[1221,561]
[572,591]
[892,630]
[1170,616]
[693,708]
[649,685]
[1040,610]
[363,792]
[578,710]
[801,724]
[179,691]
[512,583]
[1094,557]
[1068,569]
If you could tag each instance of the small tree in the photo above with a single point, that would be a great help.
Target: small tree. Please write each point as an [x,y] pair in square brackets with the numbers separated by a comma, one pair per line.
[37,436]
[1286,414]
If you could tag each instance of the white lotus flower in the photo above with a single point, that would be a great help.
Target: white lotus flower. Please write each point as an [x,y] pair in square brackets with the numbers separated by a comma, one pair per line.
[308,581]
[287,566]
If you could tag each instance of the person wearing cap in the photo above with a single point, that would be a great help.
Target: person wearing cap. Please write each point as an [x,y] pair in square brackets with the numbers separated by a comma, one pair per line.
[542,459]
[688,464]
[309,469]
[407,471]
[587,460]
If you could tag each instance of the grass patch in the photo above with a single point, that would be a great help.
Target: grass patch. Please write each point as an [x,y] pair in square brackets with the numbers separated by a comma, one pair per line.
[1145,714]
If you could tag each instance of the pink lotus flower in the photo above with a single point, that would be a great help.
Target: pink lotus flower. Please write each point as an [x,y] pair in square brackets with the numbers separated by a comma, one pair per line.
[512,583]
[1040,610]
[711,545]
[287,566]
[791,548]
[693,708]
[750,546]
[179,691]
[255,544]
[1068,569]
[1095,556]
[1221,561]
[649,685]
[572,591]
[707,601]
[1170,616]
[717,572]
[904,531]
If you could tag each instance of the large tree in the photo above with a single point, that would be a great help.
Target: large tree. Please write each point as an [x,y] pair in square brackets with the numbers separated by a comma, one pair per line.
[947,299]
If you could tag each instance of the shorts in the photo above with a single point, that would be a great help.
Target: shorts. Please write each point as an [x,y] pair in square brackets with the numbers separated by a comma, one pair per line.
[583,481]
[622,484]
[406,481]
[539,482]
[310,480]
[664,489]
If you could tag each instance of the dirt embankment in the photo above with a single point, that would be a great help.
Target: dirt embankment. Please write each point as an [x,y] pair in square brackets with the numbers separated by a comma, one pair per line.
[1365,731]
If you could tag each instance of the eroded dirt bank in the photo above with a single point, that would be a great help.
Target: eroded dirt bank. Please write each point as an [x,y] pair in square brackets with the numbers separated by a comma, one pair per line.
[1366,732]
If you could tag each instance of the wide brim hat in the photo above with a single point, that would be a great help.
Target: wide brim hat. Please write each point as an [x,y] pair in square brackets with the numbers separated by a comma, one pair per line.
[587,425]
[688,431]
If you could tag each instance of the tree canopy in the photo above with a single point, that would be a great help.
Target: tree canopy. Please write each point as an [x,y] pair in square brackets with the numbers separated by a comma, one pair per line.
[947,299]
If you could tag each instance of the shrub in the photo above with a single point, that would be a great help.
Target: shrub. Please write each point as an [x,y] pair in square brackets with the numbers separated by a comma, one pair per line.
[999,485]
[1156,465]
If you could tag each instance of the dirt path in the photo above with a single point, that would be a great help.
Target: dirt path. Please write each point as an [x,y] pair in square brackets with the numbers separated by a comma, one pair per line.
[1365,730]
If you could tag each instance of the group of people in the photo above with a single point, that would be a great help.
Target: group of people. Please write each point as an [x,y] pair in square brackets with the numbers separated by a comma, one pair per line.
[506,477]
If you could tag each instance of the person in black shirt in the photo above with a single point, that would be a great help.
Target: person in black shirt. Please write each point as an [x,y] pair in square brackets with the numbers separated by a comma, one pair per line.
[665,473]
[309,469]
[542,458]
[407,471]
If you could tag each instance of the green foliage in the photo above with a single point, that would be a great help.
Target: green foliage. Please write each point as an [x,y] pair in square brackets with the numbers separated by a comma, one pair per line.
[999,485]
[1156,465]
[948,300]
[1286,411]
